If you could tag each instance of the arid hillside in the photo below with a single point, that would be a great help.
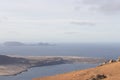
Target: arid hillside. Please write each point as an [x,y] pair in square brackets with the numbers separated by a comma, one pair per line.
[109,71]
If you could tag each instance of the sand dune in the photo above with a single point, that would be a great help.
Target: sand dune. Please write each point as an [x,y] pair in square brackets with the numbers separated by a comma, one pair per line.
[109,71]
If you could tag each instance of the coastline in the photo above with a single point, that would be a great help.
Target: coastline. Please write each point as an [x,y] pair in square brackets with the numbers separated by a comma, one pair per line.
[109,71]
[22,63]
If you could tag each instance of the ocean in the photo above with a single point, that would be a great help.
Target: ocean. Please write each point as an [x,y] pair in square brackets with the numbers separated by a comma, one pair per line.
[108,51]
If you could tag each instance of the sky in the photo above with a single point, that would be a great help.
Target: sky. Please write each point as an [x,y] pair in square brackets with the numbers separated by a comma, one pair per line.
[60,21]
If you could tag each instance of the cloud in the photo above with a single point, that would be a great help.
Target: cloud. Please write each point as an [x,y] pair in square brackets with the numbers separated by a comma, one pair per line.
[104,6]
[71,33]
[3,18]
[13,20]
[83,23]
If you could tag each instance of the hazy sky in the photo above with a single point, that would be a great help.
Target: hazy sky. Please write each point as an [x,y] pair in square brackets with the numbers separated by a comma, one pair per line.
[70,21]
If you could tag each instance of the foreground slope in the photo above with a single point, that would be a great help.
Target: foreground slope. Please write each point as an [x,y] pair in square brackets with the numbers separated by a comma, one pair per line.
[110,71]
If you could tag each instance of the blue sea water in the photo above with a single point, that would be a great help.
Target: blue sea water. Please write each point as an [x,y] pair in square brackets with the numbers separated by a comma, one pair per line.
[107,51]
[85,50]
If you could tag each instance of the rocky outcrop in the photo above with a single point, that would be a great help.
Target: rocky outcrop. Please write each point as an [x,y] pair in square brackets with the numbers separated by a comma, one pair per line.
[110,61]
[98,77]
[118,60]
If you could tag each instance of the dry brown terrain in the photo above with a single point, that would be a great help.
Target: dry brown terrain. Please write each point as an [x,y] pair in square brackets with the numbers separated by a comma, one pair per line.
[110,71]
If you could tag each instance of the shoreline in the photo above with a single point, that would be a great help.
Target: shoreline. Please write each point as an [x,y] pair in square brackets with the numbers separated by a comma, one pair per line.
[108,71]
[22,64]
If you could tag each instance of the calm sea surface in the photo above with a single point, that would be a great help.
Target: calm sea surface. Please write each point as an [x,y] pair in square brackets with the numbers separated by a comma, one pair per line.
[107,51]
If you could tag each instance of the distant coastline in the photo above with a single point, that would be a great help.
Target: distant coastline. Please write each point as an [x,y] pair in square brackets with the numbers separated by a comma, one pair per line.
[15,43]
[13,65]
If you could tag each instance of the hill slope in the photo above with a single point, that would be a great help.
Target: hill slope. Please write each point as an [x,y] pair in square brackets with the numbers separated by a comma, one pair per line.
[109,71]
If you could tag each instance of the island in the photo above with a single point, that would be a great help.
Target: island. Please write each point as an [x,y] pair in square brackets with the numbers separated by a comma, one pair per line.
[13,43]
[16,43]
[12,65]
